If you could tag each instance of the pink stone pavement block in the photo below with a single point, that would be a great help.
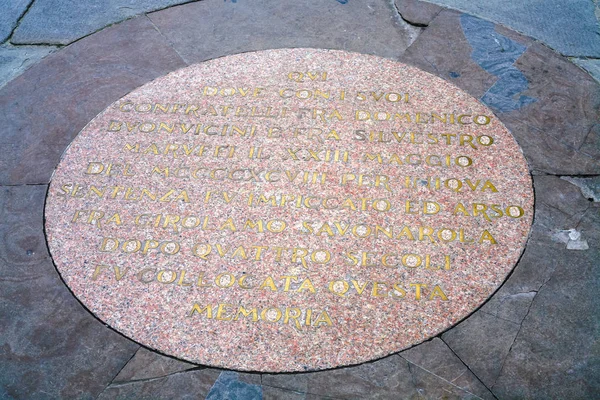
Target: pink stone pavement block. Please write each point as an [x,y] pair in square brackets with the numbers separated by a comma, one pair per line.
[289,210]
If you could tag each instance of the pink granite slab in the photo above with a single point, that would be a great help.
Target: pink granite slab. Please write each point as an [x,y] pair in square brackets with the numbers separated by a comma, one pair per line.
[320,209]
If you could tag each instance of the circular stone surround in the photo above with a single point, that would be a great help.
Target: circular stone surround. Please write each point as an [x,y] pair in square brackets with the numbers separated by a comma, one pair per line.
[289,210]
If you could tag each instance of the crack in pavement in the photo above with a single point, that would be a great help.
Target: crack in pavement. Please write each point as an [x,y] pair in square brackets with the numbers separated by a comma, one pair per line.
[520,328]
[468,368]
[8,40]
[114,384]
[441,378]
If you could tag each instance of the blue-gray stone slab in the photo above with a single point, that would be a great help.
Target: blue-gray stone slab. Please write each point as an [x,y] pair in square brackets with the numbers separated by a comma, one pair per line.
[497,54]
[64,21]
[229,386]
[9,17]
[15,60]
[591,66]
[570,27]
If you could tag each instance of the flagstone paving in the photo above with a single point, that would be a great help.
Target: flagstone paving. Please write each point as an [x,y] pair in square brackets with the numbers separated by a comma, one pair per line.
[537,337]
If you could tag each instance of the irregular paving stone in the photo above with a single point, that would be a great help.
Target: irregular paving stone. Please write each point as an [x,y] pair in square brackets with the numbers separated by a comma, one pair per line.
[366,26]
[509,302]
[560,206]
[22,240]
[184,385]
[556,354]
[557,131]
[42,110]
[50,346]
[383,378]
[417,12]
[497,54]
[590,226]
[570,27]
[64,21]
[591,66]
[589,186]
[9,17]
[229,386]
[294,382]
[437,359]
[482,342]
[272,393]
[443,50]
[147,364]
[15,60]
[430,386]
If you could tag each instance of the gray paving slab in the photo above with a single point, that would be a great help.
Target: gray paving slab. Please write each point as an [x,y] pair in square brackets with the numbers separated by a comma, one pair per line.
[12,10]
[430,53]
[50,346]
[383,378]
[560,207]
[147,364]
[436,357]
[42,110]
[482,342]
[559,132]
[590,65]
[64,21]
[15,60]
[191,385]
[555,355]
[418,13]
[570,27]
[370,26]
[550,105]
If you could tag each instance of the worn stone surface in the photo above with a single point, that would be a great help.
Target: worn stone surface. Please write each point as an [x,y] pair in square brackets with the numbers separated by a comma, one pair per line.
[64,21]
[46,336]
[497,54]
[430,53]
[437,359]
[589,186]
[543,86]
[417,12]
[556,132]
[61,94]
[367,26]
[190,385]
[556,354]
[230,386]
[12,10]
[482,342]
[15,60]
[273,393]
[430,386]
[570,27]
[509,304]
[383,378]
[560,205]
[147,364]
[389,378]
[592,66]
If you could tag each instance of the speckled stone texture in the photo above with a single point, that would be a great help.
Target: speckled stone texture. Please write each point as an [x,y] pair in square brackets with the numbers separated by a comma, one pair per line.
[271,211]
[68,89]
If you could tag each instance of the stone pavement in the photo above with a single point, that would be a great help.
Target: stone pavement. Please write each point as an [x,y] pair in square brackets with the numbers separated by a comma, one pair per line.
[32,29]
[537,337]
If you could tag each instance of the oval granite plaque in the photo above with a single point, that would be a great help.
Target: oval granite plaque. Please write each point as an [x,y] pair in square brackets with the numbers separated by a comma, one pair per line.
[289,210]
